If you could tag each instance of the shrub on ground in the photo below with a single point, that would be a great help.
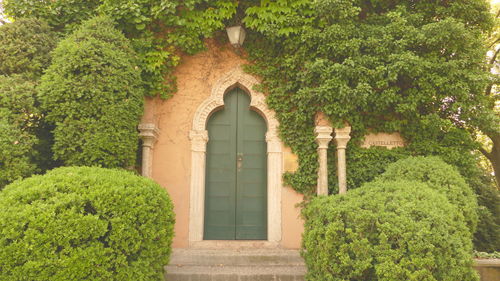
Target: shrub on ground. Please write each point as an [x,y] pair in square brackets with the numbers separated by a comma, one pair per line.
[92,95]
[390,231]
[438,175]
[82,223]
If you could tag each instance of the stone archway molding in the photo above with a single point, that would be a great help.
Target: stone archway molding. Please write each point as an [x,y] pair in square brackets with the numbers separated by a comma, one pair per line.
[199,138]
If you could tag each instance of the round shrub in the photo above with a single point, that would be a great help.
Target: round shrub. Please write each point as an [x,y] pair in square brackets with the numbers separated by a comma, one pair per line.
[386,231]
[440,176]
[83,223]
[92,94]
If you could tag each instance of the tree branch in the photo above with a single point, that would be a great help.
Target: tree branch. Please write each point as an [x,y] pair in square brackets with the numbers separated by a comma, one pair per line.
[485,153]
[494,57]
[494,43]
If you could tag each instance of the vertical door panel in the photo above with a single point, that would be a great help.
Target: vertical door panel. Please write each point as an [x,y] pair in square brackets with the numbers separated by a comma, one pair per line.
[251,200]
[220,178]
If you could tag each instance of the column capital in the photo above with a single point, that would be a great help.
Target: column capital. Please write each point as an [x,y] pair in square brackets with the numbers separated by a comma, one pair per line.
[199,139]
[273,142]
[323,136]
[342,136]
[149,133]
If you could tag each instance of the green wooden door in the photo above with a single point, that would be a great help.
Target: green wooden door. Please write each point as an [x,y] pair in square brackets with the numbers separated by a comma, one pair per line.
[236,172]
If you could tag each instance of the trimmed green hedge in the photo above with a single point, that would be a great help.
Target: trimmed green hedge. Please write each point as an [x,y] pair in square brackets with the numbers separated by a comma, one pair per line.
[438,175]
[82,223]
[386,231]
[92,94]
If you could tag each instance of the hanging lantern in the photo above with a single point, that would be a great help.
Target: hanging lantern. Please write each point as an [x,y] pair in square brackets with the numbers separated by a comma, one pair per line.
[236,35]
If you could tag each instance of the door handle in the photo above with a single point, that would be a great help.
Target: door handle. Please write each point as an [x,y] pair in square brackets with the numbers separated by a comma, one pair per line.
[239,161]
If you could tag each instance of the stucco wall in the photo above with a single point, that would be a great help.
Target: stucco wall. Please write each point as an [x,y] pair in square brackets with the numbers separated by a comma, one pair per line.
[172,152]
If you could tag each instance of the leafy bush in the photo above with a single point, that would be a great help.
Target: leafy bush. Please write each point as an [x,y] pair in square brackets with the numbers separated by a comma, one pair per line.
[365,164]
[82,223]
[386,231]
[92,95]
[16,148]
[484,255]
[25,47]
[18,119]
[440,176]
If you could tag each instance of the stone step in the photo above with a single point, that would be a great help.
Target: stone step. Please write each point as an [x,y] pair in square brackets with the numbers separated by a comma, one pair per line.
[235,265]
[235,273]
[212,257]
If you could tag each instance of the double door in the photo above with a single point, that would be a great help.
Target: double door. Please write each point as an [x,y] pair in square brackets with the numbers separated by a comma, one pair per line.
[236,172]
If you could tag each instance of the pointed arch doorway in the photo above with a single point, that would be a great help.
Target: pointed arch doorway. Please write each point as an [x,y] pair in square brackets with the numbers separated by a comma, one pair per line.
[236,172]
[199,138]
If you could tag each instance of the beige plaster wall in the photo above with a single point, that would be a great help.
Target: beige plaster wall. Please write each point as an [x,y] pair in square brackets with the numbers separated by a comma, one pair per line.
[292,223]
[172,153]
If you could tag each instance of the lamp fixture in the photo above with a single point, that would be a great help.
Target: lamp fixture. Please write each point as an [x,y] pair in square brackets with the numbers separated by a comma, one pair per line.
[236,35]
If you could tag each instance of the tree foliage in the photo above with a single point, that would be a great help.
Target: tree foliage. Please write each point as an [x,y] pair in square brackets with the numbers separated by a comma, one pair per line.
[160,30]
[25,47]
[489,122]
[62,15]
[82,223]
[92,94]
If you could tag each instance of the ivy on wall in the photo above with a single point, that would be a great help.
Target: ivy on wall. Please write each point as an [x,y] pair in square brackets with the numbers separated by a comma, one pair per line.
[386,66]
[383,66]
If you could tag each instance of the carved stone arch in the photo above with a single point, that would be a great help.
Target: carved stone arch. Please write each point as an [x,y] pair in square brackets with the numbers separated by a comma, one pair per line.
[235,78]
[199,138]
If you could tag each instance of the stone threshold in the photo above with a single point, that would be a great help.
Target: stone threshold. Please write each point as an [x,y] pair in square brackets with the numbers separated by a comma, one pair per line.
[234,244]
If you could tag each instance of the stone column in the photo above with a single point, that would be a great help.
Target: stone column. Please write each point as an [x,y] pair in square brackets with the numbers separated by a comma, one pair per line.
[323,138]
[149,134]
[341,139]
[199,139]
[274,186]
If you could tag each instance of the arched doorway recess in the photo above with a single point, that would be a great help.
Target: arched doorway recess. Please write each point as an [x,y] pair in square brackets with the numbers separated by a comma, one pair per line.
[236,172]
[199,138]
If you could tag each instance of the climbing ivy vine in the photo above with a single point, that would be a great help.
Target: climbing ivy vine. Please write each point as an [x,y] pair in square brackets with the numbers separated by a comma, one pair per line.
[414,67]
